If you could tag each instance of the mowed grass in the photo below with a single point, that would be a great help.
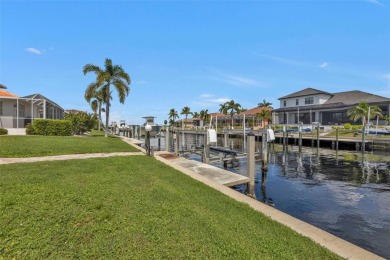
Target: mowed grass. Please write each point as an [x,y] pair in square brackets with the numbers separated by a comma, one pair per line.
[34,146]
[135,208]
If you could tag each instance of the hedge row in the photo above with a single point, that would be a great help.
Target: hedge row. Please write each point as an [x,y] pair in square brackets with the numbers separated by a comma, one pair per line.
[3,131]
[50,127]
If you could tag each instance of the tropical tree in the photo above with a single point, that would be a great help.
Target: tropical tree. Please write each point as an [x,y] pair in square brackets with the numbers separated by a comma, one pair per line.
[111,75]
[263,115]
[264,104]
[361,111]
[205,116]
[186,111]
[230,108]
[195,115]
[172,116]
[96,100]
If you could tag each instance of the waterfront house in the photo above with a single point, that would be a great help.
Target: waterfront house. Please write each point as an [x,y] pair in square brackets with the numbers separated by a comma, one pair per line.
[252,119]
[312,105]
[17,112]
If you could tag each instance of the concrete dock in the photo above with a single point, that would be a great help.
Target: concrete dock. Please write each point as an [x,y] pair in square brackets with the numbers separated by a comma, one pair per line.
[213,173]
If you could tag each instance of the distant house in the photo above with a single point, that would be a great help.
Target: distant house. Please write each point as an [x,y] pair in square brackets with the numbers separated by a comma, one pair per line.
[312,105]
[17,112]
[252,119]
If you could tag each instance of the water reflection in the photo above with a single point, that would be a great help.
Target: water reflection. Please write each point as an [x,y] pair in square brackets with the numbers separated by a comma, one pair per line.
[344,193]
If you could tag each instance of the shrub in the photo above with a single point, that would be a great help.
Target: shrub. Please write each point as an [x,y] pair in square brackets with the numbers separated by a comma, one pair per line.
[356,127]
[3,131]
[347,126]
[30,129]
[81,121]
[50,127]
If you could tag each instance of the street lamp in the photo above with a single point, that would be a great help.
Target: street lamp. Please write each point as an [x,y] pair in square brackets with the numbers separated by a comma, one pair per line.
[148,128]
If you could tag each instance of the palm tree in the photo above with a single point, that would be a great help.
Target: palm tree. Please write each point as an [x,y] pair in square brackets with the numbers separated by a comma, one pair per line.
[195,115]
[231,108]
[361,111]
[264,104]
[205,116]
[111,75]
[95,99]
[263,115]
[172,116]
[186,111]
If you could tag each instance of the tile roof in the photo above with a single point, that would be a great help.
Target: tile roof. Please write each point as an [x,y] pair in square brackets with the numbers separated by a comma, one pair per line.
[254,111]
[354,97]
[4,93]
[305,92]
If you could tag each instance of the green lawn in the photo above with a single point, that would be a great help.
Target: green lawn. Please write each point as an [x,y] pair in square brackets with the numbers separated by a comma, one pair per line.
[31,146]
[135,208]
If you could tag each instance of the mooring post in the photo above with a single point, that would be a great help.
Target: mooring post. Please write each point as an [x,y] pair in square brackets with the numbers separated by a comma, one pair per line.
[226,140]
[251,163]
[364,139]
[167,137]
[284,138]
[264,151]
[318,136]
[300,141]
[206,149]
[177,141]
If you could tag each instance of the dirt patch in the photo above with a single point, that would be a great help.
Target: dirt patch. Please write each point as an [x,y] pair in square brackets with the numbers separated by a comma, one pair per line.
[168,156]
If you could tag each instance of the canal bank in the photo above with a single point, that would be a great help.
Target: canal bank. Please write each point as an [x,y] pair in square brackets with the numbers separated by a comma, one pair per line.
[333,243]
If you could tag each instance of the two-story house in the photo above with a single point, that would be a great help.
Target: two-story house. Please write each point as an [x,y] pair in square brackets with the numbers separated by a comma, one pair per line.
[312,105]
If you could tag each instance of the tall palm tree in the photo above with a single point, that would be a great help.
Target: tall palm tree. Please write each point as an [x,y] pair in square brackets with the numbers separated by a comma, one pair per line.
[231,108]
[264,104]
[186,111]
[172,116]
[111,75]
[205,116]
[96,100]
[263,115]
[195,115]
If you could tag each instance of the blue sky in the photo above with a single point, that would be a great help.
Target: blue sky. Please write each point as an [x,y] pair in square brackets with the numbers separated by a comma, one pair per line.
[194,53]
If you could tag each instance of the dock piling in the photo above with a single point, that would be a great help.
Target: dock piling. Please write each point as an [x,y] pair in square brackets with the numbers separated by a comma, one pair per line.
[251,163]
[206,149]
[264,151]
[167,139]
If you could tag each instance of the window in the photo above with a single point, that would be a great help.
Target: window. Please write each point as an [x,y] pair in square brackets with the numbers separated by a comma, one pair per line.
[21,110]
[309,100]
[297,102]
[284,103]
[1,108]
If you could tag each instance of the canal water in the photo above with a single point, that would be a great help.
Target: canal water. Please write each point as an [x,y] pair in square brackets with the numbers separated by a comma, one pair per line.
[344,193]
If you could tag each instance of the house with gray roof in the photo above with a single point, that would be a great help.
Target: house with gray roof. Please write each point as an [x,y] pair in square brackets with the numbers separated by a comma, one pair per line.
[17,112]
[312,105]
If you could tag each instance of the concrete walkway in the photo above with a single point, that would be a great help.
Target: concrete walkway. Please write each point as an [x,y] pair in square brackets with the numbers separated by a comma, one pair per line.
[65,157]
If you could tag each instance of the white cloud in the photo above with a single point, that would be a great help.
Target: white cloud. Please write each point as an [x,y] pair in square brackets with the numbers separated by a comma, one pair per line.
[140,82]
[34,51]
[376,2]
[282,60]
[219,100]
[387,76]
[324,65]
[239,81]
[206,96]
